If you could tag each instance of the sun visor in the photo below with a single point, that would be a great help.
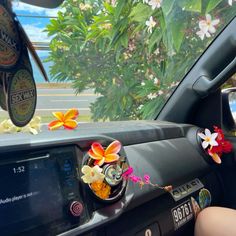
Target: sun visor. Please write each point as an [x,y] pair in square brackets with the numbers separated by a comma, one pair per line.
[44,3]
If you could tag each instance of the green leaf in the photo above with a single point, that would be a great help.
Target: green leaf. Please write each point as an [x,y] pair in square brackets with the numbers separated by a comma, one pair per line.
[167,6]
[191,5]
[212,4]
[154,39]
[177,30]
[141,12]
[124,40]
[119,8]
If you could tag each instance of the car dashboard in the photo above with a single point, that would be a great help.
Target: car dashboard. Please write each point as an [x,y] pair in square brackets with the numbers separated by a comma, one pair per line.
[42,192]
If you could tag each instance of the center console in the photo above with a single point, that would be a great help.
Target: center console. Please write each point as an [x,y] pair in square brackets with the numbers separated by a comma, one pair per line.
[40,192]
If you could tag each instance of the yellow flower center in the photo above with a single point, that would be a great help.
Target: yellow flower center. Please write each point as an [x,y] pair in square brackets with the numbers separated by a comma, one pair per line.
[208,22]
[207,139]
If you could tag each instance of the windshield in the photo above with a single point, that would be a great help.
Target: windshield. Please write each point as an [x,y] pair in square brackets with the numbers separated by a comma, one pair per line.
[115,59]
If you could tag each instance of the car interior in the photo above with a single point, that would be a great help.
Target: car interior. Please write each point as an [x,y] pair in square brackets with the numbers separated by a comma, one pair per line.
[41,201]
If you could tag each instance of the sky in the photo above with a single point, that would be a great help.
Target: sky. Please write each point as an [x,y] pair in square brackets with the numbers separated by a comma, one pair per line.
[34,28]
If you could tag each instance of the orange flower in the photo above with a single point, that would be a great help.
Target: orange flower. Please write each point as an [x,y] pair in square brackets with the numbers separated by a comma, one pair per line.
[102,156]
[101,189]
[96,186]
[67,120]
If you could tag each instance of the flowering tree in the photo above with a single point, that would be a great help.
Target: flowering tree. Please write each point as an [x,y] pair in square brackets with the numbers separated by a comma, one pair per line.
[132,52]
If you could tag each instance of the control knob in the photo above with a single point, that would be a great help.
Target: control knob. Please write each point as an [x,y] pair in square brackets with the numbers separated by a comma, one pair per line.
[76,208]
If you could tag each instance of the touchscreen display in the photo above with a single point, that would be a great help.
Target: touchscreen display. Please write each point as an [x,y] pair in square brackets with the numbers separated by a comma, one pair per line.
[30,194]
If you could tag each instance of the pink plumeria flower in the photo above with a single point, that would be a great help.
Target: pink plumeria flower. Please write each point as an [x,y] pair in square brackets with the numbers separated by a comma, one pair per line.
[209,138]
[150,24]
[155,4]
[231,2]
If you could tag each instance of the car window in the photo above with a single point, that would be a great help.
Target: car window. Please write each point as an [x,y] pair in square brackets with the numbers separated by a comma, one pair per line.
[117,60]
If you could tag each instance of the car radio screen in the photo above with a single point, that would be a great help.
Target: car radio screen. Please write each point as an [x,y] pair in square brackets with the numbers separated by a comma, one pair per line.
[30,194]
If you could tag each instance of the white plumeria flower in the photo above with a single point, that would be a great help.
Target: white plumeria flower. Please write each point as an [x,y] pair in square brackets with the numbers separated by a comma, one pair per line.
[231,2]
[207,27]
[156,81]
[151,96]
[157,51]
[209,24]
[140,107]
[150,24]
[143,83]
[92,174]
[209,138]
[155,3]
[7,126]
[34,127]
[151,76]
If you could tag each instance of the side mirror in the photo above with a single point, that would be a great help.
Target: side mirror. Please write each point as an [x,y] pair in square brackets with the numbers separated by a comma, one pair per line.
[229,108]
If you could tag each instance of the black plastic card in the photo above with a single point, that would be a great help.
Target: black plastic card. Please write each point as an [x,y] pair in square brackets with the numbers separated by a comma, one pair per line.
[21,97]
[10,44]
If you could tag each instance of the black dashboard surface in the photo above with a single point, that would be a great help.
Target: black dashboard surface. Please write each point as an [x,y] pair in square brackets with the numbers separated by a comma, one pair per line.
[169,152]
[128,132]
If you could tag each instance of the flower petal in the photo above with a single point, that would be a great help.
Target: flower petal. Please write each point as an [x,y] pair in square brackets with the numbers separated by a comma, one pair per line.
[99,162]
[70,124]
[202,136]
[59,115]
[56,124]
[215,157]
[97,149]
[97,169]
[208,17]
[93,155]
[71,114]
[111,158]
[212,29]
[207,132]
[213,143]
[86,169]
[203,26]
[87,179]
[205,144]
[201,34]
[215,22]
[208,35]
[214,135]
[114,147]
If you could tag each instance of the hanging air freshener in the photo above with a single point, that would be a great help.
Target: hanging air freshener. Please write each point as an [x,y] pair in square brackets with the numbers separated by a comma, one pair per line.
[10,47]
[21,97]
[17,86]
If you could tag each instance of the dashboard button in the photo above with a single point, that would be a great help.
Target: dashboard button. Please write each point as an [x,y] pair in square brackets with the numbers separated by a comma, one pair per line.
[76,208]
